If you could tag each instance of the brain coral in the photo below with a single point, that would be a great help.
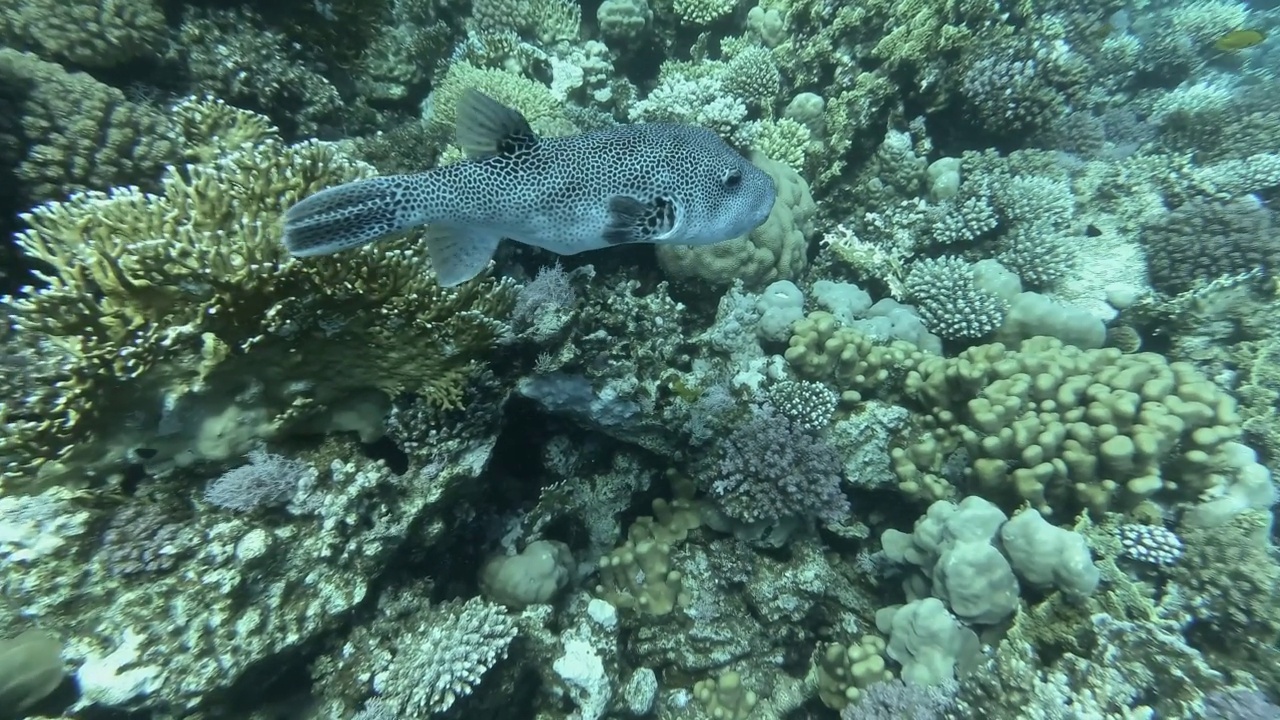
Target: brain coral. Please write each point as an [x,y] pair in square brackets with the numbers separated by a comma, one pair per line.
[774,251]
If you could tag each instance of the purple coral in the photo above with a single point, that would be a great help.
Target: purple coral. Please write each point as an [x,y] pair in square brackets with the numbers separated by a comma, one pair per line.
[266,481]
[768,468]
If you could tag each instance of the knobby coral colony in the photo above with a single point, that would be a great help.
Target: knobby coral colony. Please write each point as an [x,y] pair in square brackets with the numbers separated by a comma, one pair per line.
[999,364]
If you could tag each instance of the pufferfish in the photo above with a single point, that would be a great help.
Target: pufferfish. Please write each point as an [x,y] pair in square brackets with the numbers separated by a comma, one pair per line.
[646,183]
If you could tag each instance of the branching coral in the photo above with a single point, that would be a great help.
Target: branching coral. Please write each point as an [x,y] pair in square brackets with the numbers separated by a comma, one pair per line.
[1011,92]
[1232,578]
[769,469]
[235,55]
[1204,240]
[176,322]
[950,300]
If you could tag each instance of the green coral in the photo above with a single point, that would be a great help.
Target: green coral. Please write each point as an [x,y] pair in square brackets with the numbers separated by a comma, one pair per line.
[545,114]
[73,133]
[784,140]
[1259,393]
[547,21]
[906,37]
[87,33]
[1232,579]
[235,54]
[177,324]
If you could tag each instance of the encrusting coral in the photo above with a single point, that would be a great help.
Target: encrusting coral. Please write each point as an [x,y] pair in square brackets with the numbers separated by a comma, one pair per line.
[181,312]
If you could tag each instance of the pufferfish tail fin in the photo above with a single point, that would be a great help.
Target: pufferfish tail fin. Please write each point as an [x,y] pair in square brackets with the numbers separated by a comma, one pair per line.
[353,214]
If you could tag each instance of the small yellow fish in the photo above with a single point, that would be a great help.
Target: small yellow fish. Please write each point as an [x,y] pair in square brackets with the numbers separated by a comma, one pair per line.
[1239,40]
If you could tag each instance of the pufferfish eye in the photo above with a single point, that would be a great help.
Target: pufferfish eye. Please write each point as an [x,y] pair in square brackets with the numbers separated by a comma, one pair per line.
[732,179]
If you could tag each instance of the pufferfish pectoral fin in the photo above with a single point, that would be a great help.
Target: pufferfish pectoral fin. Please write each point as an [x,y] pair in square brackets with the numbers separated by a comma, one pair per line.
[626,220]
[485,127]
[459,254]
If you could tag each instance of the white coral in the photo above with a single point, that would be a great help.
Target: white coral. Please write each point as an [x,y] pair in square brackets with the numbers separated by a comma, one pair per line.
[444,658]
[106,681]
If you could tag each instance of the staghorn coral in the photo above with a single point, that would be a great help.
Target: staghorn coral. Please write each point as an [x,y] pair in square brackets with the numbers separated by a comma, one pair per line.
[176,322]
[444,657]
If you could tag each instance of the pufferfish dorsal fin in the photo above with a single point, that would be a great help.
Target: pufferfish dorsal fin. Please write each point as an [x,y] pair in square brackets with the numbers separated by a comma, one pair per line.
[486,127]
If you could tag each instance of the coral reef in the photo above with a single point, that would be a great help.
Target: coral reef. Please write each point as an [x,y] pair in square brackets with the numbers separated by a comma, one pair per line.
[980,422]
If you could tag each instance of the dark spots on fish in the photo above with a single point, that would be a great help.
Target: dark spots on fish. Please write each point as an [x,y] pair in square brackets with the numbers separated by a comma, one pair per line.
[635,221]
[662,217]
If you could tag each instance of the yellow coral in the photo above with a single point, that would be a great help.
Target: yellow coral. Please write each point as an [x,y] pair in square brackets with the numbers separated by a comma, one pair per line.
[1048,424]
[774,251]
[176,323]
[845,670]
[638,574]
[724,696]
